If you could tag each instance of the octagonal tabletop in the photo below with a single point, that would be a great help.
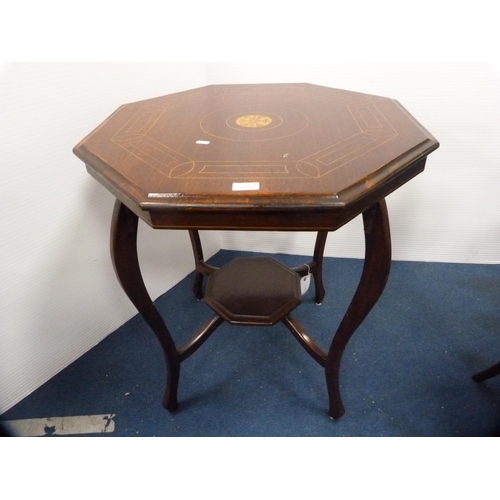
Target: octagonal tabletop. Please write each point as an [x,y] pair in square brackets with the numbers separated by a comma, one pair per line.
[261,147]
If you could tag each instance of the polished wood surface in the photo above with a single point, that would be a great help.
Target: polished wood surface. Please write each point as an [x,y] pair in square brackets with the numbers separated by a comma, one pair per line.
[313,267]
[288,157]
[253,291]
[318,155]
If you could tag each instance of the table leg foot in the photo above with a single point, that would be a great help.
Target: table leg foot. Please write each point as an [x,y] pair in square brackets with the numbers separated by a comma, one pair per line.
[336,410]
[170,401]
[371,285]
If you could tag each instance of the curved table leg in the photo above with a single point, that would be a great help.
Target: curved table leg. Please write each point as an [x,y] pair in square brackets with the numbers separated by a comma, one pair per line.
[490,372]
[194,236]
[201,267]
[126,264]
[371,285]
[317,272]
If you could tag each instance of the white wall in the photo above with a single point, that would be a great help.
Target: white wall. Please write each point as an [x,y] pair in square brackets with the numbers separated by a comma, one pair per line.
[59,296]
[449,213]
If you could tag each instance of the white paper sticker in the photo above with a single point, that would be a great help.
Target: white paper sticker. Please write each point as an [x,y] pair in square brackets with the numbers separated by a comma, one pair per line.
[246,186]
[305,281]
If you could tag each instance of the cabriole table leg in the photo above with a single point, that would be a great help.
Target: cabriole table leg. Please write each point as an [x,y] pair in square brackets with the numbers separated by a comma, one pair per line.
[194,236]
[319,249]
[371,285]
[126,264]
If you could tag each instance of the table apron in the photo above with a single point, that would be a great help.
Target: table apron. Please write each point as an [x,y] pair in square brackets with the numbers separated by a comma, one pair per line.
[244,221]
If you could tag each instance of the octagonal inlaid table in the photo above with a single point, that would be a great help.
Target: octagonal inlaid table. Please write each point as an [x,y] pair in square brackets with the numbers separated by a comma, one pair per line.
[277,157]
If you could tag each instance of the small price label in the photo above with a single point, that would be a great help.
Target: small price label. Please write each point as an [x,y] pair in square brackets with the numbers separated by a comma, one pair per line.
[304,283]
[246,186]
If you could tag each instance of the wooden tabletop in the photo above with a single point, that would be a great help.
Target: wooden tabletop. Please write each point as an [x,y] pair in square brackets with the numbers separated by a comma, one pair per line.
[250,149]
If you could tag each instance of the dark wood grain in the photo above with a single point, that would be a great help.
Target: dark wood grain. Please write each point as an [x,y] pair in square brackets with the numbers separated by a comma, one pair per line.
[253,291]
[324,150]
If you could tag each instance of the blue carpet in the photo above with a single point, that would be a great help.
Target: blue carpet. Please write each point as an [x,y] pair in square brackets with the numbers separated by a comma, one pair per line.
[406,371]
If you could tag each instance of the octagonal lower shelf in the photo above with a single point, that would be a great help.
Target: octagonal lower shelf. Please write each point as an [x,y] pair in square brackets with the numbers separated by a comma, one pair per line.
[253,291]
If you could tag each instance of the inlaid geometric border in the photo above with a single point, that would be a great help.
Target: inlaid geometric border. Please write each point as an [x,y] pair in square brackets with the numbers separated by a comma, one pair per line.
[374,130]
